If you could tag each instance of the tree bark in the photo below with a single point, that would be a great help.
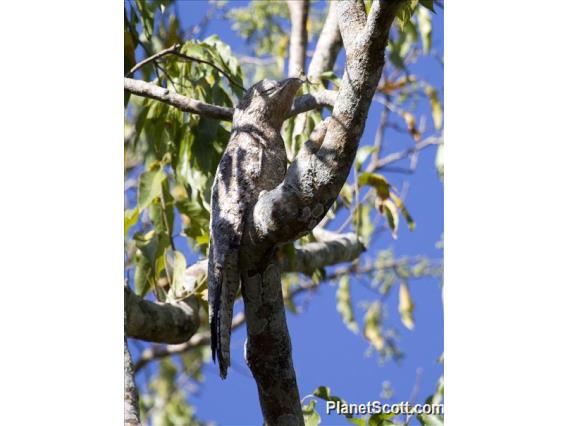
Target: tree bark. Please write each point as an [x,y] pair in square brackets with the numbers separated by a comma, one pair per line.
[268,350]
[313,182]
[160,322]
[328,45]
[298,36]
[148,90]
[324,57]
[298,204]
[131,411]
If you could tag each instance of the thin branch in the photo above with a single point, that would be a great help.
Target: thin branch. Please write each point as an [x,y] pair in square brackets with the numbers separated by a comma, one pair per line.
[148,90]
[324,57]
[396,156]
[131,411]
[203,61]
[298,36]
[328,45]
[304,103]
[175,50]
[153,58]
[379,135]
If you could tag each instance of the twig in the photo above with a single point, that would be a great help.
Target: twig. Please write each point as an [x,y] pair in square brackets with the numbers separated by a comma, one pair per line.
[153,58]
[396,156]
[175,50]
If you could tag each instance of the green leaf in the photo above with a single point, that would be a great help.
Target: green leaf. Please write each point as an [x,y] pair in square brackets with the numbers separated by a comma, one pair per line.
[178,267]
[428,4]
[435,105]
[311,416]
[372,330]
[435,399]
[363,223]
[161,211]
[150,187]
[331,76]
[381,419]
[362,155]
[147,244]
[430,420]
[388,209]
[379,182]
[130,218]
[405,213]
[405,12]
[425,28]
[344,306]
[143,275]
[324,392]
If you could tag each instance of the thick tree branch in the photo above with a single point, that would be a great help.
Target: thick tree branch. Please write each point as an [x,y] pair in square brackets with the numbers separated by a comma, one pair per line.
[298,36]
[330,249]
[156,352]
[165,322]
[312,185]
[148,90]
[333,249]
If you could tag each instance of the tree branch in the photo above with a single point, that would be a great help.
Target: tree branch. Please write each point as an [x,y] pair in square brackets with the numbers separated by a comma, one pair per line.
[153,58]
[312,184]
[165,322]
[298,36]
[148,90]
[131,412]
[396,156]
[156,352]
[325,54]
[328,45]
[313,101]
[175,50]
[330,249]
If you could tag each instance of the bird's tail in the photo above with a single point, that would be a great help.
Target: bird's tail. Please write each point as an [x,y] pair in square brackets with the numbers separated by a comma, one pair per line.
[222,292]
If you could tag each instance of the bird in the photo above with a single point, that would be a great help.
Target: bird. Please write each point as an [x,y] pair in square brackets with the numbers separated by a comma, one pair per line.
[254,161]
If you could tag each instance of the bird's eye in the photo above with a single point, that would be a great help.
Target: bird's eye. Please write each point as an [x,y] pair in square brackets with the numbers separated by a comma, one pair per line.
[269,90]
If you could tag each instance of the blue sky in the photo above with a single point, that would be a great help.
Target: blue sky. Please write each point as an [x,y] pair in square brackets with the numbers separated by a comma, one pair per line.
[325,351]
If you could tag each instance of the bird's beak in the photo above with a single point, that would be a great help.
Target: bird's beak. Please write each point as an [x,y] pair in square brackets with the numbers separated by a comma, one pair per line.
[292,84]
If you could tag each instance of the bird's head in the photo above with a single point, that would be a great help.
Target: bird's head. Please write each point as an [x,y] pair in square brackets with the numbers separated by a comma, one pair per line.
[268,101]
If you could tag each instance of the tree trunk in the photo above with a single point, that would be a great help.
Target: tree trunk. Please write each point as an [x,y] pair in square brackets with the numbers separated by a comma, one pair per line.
[268,348]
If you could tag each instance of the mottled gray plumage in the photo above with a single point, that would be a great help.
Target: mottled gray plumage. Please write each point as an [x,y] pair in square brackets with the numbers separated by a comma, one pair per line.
[254,161]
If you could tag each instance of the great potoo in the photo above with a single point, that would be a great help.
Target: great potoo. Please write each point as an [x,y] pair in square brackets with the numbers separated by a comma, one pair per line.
[254,161]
